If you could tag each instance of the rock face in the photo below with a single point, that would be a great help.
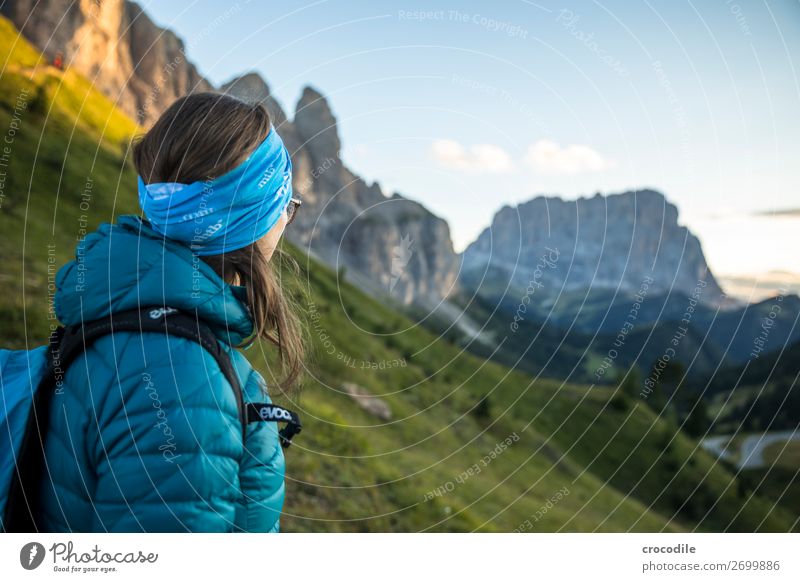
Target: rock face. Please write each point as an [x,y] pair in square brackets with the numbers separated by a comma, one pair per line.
[252,88]
[372,404]
[391,246]
[140,66]
[603,242]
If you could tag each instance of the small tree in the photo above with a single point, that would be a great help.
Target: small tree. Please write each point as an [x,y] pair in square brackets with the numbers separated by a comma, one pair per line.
[483,410]
[38,103]
[697,421]
[666,382]
[630,383]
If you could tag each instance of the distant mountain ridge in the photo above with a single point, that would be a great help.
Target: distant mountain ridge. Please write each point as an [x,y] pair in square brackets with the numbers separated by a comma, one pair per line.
[627,242]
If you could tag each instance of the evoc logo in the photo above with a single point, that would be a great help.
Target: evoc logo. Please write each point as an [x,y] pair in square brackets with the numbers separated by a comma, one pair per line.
[161,312]
[274,413]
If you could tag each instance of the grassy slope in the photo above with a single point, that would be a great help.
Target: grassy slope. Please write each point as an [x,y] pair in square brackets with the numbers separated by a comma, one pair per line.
[349,471]
[70,140]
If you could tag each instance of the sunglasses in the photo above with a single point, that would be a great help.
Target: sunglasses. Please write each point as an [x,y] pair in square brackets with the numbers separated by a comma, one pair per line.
[291,210]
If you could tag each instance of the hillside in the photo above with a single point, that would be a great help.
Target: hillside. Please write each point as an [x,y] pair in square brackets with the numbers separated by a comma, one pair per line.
[608,462]
[63,170]
[762,394]
[570,337]
[139,65]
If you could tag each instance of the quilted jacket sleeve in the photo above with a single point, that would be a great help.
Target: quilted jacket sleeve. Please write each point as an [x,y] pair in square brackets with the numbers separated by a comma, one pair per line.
[145,436]
[262,469]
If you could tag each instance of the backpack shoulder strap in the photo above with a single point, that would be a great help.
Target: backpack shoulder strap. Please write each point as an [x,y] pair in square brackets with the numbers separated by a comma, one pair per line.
[182,324]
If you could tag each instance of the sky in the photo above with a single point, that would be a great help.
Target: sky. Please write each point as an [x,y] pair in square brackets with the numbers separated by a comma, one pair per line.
[470,106]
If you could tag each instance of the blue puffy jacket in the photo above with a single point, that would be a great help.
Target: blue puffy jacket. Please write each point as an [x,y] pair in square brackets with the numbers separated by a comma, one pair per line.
[145,434]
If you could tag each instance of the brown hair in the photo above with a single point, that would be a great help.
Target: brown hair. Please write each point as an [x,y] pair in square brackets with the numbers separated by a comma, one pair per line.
[202,136]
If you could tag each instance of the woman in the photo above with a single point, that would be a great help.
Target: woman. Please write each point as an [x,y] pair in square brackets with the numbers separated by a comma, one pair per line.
[145,432]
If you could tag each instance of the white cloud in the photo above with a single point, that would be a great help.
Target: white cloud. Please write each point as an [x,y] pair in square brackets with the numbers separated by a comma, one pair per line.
[547,157]
[482,157]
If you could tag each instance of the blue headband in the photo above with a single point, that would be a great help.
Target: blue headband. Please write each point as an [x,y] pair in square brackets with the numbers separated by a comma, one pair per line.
[228,212]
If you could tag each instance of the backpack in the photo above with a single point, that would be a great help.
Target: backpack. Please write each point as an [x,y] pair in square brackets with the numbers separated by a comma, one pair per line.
[29,378]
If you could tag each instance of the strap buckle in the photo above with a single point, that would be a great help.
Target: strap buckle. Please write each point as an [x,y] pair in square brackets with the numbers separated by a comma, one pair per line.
[288,432]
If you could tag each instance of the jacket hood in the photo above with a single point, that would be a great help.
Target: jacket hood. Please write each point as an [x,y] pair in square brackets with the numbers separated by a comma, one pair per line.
[129,265]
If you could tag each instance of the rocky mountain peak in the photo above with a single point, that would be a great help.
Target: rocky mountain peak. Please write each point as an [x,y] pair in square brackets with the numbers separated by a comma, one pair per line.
[614,242]
[253,88]
[316,125]
[250,84]
[390,246]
